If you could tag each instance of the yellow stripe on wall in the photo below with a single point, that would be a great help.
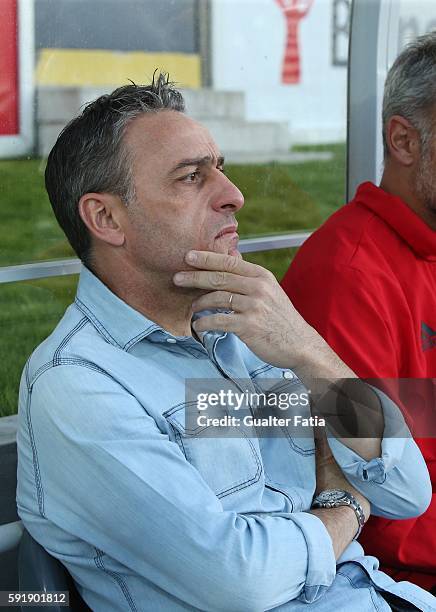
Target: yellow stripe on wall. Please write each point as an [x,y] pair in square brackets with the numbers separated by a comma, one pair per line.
[67,67]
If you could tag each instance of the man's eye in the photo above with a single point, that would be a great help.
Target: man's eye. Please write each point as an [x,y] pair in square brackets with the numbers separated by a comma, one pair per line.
[192,177]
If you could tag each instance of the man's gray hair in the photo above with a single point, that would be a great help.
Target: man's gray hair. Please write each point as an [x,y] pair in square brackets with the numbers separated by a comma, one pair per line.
[410,88]
[89,155]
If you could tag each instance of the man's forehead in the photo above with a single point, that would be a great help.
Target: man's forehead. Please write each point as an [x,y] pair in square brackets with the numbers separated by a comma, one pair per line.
[171,133]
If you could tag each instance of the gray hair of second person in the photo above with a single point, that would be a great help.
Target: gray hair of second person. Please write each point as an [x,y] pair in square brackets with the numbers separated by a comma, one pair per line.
[410,89]
[89,155]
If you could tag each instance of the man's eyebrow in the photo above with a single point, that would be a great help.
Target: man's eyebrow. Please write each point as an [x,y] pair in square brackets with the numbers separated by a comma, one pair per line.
[197,161]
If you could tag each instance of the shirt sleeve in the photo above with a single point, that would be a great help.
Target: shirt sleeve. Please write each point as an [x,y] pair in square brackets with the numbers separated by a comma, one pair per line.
[107,474]
[397,484]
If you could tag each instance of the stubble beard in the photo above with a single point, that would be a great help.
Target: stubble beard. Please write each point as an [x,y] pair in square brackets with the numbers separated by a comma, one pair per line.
[425,181]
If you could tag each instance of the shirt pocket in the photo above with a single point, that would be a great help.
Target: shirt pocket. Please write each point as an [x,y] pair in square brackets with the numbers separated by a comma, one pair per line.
[227,459]
[285,384]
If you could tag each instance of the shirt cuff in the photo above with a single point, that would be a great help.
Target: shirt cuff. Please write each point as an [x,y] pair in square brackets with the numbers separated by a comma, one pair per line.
[321,562]
[392,446]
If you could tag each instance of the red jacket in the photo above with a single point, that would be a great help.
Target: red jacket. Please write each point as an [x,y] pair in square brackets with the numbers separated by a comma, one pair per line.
[366,281]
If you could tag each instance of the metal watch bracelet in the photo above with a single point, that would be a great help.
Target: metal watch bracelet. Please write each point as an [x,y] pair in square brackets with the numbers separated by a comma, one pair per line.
[335,498]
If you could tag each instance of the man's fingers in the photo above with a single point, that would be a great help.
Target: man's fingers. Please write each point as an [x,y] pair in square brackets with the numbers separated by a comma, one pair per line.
[235,253]
[215,281]
[216,322]
[220,299]
[206,260]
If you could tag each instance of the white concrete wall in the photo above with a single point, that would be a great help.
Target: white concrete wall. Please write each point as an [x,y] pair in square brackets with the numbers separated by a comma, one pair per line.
[248,46]
[248,41]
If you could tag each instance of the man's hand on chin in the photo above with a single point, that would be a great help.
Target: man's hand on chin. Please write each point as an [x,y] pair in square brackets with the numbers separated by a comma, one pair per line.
[261,313]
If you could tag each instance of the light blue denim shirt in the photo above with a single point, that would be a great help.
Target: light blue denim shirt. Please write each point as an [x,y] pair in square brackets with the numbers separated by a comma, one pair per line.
[148,516]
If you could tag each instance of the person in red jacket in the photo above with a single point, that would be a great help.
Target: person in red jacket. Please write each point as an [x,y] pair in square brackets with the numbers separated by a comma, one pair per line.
[366,281]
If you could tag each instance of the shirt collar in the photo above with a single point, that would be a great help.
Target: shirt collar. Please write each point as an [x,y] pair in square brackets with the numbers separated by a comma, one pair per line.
[401,218]
[118,322]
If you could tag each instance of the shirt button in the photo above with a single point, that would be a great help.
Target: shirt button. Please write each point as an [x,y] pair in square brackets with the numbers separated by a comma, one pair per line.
[171,340]
[287,374]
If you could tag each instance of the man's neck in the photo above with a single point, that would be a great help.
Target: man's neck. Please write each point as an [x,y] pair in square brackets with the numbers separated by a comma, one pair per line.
[154,296]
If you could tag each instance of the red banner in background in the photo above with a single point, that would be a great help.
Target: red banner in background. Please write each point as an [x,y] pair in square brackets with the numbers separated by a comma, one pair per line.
[8,68]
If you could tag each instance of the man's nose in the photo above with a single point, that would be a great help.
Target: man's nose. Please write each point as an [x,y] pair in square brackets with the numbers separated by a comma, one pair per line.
[228,196]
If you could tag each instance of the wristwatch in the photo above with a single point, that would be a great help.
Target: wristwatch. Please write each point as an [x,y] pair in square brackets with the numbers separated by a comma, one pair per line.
[333,498]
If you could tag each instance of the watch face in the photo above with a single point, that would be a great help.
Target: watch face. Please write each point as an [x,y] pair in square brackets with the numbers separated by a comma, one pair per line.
[333,495]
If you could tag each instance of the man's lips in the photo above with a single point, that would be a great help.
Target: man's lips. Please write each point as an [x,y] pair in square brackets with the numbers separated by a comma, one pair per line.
[229,231]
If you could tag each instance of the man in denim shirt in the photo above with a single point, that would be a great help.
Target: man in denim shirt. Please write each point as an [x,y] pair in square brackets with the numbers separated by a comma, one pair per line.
[144,512]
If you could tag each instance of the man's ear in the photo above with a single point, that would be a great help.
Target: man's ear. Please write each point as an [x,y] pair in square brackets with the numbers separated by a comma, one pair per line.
[403,141]
[103,215]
